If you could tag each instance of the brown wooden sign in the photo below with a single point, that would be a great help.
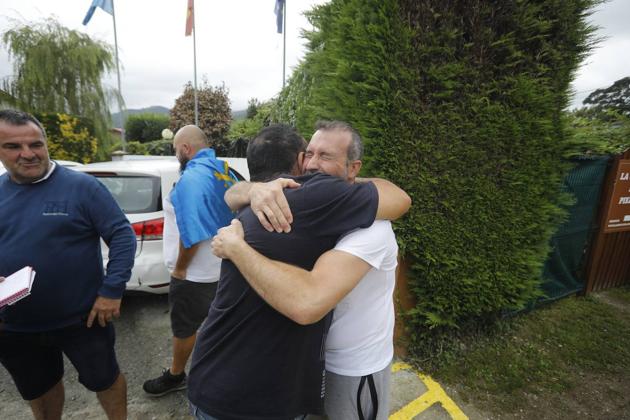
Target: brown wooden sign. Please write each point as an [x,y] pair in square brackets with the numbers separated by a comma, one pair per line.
[618,218]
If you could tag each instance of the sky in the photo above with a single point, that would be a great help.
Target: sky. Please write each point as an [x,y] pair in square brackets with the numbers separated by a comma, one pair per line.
[610,60]
[237,45]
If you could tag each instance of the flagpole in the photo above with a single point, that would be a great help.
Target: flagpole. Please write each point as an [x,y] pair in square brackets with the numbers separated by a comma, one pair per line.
[195,63]
[120,97]
[284,44]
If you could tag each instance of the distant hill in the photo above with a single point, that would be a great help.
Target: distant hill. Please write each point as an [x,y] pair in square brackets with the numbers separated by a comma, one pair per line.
[239,115]
[236,115]
[150,110]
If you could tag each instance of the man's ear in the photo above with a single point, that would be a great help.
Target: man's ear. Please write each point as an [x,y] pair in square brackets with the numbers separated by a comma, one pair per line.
[187,149]
[298,166]
[353,169]
[300,162]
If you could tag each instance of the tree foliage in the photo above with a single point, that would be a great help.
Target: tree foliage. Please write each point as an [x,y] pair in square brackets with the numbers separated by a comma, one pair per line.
[459,102]
[615,97]
[58,70]
[145,127]
[214,113]
[593,132]
[162,147]
[132,147]
[69,137]
[252,108]
[261,116]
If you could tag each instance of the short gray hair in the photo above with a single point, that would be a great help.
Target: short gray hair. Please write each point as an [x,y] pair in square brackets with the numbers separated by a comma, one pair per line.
[355,148]
[16,118]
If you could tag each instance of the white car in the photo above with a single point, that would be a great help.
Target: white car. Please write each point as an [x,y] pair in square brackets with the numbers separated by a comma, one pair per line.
[69,163]
[138,185]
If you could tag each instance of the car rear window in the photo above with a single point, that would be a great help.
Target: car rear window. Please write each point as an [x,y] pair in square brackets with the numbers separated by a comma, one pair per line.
[134,194]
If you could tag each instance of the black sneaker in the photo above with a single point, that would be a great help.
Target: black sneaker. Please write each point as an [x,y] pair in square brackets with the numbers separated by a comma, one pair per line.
[165,383]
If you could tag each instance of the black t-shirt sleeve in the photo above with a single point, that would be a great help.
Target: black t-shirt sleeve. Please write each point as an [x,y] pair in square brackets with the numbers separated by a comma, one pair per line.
[332,206]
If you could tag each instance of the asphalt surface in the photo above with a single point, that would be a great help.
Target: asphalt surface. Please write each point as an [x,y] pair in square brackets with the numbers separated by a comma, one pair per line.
[143,347]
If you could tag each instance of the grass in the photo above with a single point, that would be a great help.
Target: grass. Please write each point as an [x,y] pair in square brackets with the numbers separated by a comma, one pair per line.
[621,293]
[549,350]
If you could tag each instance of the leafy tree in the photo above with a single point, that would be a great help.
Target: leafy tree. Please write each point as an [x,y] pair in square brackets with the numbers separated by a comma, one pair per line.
[615,97]
[56,69]
[146,127]
[214,113]
[7,100]
[252,108]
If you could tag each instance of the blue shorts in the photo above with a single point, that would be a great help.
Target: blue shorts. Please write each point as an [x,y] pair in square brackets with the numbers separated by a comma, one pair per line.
[35,360]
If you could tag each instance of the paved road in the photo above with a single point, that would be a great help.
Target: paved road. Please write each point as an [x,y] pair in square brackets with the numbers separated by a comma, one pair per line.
[143,347]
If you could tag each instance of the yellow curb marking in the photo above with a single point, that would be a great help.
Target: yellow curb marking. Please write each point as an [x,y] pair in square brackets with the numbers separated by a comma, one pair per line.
[434,394]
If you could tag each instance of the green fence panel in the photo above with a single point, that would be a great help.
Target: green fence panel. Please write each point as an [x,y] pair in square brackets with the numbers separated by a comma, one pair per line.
[563,271]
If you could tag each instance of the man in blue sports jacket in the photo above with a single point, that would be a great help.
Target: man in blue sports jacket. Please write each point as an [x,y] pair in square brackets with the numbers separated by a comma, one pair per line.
[52,219]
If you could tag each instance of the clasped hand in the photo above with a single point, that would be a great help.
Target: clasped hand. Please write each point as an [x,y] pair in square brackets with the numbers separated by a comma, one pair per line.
[227,240]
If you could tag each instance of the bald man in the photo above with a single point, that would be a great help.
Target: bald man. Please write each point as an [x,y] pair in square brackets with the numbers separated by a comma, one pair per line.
[193,212]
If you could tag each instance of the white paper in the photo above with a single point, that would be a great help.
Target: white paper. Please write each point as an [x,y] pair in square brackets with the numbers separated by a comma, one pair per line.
[16,286]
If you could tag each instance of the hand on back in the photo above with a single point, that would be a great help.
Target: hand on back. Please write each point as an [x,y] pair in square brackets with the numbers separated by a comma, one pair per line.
[270,205]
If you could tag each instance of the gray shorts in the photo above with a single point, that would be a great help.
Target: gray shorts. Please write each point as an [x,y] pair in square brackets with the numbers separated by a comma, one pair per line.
[344,392]
[189,303]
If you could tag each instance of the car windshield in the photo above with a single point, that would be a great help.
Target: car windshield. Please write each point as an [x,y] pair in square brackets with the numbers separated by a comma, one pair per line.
[134,194]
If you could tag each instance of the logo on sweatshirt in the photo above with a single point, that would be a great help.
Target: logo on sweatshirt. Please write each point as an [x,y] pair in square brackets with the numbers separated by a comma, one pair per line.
[55,208]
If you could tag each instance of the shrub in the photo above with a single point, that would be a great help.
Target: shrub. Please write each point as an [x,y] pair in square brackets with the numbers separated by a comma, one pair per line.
[160,148]
[69,137]
[132,147]
[145,127]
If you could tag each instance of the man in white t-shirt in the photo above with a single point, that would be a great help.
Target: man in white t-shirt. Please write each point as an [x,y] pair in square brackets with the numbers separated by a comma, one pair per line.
[193,212]
[357,277]
[360,339]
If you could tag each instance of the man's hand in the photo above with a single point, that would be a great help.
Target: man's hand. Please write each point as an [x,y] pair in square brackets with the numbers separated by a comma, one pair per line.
[179,274]
[228,239]
[105,309]
[270,205]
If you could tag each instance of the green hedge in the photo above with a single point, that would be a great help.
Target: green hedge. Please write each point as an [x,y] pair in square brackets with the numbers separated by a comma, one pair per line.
[145,127]
[460,103]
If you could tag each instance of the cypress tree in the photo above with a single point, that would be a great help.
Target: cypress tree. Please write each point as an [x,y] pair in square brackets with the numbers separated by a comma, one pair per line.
[459,102]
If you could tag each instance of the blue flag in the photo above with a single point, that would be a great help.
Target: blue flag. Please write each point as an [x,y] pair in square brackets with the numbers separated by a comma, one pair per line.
[106,5]
[279,10]
[198,198]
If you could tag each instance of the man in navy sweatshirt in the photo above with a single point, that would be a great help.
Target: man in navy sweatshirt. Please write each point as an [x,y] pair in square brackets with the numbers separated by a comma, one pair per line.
[52,219]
